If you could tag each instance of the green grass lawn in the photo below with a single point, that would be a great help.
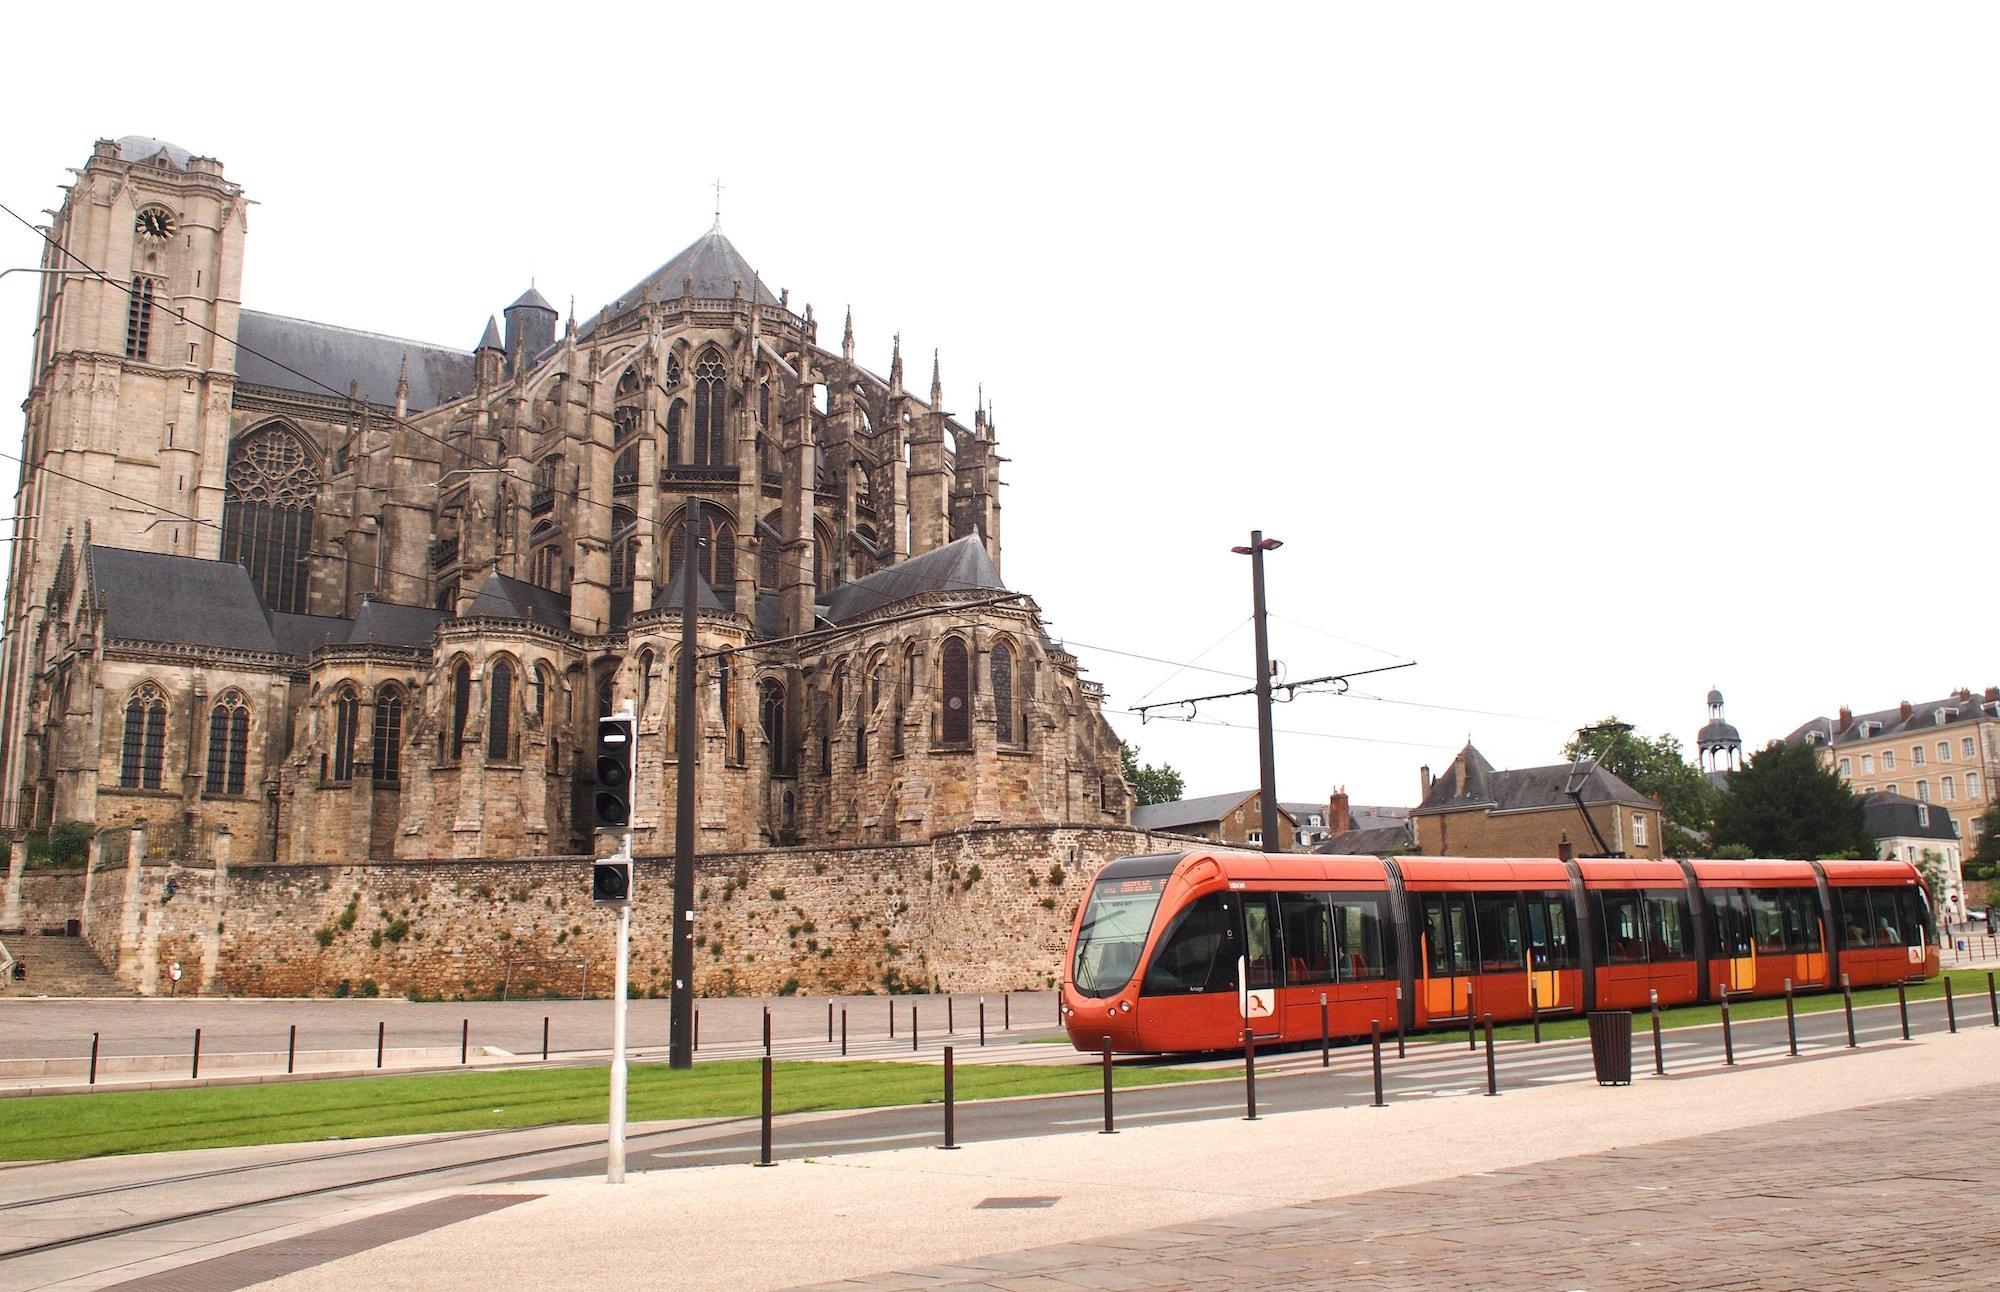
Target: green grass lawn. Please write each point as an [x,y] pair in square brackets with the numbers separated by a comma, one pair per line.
[148,1121]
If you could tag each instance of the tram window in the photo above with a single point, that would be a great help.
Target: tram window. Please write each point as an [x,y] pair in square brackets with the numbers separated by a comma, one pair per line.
[1198,952]
[1854,920]
[1767,920]
[1446,924]
[1666,928]
[1728,923]
[1499,917]
[1919,916]
[1888,911]
[1548,932]
[1622,917]
[1357,923]
[1801,919]
[1260,942]
[1309,945]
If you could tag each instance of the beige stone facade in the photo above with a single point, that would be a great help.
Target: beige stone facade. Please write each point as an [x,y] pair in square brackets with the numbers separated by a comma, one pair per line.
[1473,810]
[291,592]
[1945,753]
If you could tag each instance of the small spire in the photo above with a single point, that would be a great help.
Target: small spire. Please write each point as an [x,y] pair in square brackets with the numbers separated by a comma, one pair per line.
[896,363]
[937,386]
[847,336]
[491,340]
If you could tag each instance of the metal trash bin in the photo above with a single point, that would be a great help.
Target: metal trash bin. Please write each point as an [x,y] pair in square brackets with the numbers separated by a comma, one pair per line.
[1611,1046]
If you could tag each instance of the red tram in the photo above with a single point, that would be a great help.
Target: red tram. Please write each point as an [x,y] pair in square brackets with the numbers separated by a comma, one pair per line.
[1176,951]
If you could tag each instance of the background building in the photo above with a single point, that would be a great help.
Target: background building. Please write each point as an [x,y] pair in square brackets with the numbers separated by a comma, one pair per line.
[1942,752]
[1472,810]
[1908,830]
[1235,819]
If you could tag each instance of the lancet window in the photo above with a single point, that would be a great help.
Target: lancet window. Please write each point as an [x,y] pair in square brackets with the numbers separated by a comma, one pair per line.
[267,514]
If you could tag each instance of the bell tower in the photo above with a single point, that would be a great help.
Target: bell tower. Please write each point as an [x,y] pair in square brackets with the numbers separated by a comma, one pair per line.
[127,427]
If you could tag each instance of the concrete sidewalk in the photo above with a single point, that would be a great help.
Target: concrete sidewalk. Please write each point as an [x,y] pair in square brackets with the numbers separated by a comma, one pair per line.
[995,1213]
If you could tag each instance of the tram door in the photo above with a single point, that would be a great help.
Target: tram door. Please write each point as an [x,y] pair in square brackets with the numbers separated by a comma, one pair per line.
[1448,961]
[1260,964]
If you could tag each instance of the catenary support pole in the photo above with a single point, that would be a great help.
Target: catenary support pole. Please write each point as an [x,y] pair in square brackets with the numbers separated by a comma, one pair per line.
[464,1039]
[680,1053]
[1267,762]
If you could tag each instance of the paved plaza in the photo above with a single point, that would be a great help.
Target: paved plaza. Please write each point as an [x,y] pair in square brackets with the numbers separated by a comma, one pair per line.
[1843,1169]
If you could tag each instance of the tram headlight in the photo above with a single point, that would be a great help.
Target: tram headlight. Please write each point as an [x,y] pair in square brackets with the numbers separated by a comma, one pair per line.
[1124,1006]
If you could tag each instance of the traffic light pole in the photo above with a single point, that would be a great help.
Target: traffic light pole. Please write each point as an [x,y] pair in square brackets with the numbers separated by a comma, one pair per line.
[614,1168]
[680,1053]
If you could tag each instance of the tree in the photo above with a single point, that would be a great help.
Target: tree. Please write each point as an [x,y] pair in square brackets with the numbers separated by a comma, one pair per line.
[1787,803]
[1986,853]
[1161,784]
[1655,768]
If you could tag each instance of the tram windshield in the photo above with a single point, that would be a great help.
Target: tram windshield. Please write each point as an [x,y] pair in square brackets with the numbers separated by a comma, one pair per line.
[1113,934]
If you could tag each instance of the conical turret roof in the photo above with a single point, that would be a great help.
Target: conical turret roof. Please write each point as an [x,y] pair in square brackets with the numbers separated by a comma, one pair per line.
[714,263]
[531,300]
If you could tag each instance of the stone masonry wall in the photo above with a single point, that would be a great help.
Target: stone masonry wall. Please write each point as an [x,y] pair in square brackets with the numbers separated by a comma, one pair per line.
[976,910]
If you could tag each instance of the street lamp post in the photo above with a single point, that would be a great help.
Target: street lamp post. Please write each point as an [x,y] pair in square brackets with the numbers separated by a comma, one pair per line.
[1267,771]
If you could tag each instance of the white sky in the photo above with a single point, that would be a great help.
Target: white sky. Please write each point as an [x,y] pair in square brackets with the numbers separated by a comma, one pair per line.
[1589,354]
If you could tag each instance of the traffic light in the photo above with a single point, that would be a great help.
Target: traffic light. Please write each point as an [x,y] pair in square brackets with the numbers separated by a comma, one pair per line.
[611,881]
[614,772]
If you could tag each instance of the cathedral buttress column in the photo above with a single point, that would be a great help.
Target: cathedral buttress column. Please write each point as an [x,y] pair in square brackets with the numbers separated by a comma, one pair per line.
[930,483]
[590,518]
[795,558]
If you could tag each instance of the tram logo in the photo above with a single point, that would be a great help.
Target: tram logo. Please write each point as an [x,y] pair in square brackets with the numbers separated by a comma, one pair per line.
[1259,1004]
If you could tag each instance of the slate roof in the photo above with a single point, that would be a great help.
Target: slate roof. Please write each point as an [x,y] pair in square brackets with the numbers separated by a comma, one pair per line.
[144,148]
[667,596]
[1375,841]
[1896,816]
[501,597]
[1472,782]
[711,260]
[268,345]
[146,596]
[959,566]
[532,300]
[490,338]
[149,597]
[1182,813]
[1923,717]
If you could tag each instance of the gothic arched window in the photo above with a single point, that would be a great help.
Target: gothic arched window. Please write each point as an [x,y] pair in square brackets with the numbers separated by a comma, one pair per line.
[624,543]
[545,557]
[499,711]
[956,693]
[1002,664]
[545,681]
[228,744]
[710,403]
[715,553]
[461,706]
[346,721]
[676,415]
[771,711]
[645,679]
[145,739]
[267,513]
[388,735]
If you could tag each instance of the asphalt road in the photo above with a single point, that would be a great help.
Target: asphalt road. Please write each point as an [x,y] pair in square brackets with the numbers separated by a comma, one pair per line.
[70,1219]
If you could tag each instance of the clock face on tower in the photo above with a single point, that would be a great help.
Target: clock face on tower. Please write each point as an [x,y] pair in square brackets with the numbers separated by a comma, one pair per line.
[154,223]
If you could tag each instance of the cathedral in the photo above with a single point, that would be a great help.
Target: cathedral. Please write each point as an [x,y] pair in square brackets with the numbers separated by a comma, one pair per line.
[286,591]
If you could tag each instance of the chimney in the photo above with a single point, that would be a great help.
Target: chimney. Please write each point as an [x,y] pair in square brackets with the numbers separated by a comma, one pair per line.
[1565,851]
[1993,692]
[1424,775]
[1846,718]
[1906,710]
[1963,693]
[1339,819]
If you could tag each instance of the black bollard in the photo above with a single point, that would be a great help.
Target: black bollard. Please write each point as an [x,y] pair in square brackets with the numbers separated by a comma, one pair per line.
[982,1022]
[1471,1041]
[1992,998]
[381,1037]
[194,1074]
[1728,1042]
[843,1033]
[913,1027]
[1950,1008]
[1249,1075]
[545,1038]
[1325,1041]
[767,1029]
[1375,1047]
[829,1020]
[464,1038]
[1791,1022]
[291,1047]
[1492,1077]
[1535,1008]
[1903,1009]
[950,1018]
[764,1157]
[892,1018]
[694,1041]
[93,1058]
[1109,1129]
[1007,1012]
[1659,1053]
[1399,1023]
[950,1122]
[1847,1002]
